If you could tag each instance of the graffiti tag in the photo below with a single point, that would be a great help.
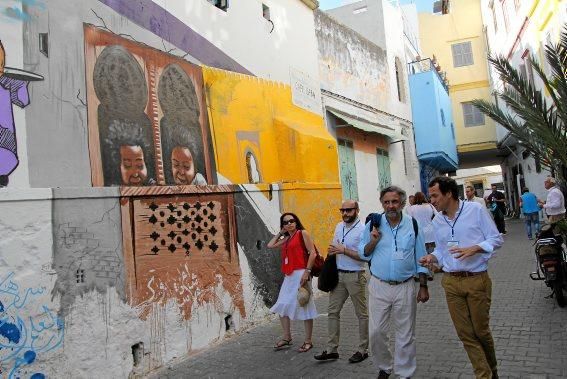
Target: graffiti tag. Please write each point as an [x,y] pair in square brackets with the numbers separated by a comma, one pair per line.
[26,329]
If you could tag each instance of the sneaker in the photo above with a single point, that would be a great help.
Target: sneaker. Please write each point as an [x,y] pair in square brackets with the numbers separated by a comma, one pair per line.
[530,237]
[383,375]
[324,356]
[358,357]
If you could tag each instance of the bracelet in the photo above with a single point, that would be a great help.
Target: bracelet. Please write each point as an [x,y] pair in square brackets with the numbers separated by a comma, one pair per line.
[423,285]
[308,269]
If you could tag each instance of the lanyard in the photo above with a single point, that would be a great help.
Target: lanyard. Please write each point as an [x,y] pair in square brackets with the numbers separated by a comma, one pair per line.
[348,231]
[397,229]
[454,223]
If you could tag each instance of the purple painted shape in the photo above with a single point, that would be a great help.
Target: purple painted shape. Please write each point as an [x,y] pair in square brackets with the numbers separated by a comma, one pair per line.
[159,21]
[12,91]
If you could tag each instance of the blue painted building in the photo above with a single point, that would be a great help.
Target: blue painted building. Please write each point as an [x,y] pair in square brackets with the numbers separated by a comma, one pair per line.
[432,121]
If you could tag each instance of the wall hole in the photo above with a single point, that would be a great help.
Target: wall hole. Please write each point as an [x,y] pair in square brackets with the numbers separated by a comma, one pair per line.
[258,245]
[228,322]
[138,353]
[43,44]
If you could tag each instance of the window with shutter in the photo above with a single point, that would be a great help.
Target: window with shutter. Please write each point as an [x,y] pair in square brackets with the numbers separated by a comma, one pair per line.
[462,54]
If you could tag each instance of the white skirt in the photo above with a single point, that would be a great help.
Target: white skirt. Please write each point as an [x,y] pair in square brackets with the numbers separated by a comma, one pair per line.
[287,304]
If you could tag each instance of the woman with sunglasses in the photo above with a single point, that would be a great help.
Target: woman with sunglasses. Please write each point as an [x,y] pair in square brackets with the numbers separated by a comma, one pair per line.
[297,272]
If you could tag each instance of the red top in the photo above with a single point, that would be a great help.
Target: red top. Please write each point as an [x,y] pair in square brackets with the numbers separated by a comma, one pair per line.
[293,255]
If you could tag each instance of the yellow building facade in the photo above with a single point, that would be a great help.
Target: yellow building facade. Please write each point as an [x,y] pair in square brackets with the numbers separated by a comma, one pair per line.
[457,41]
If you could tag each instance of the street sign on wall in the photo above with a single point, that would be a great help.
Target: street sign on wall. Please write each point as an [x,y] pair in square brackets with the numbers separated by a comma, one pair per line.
[305,92]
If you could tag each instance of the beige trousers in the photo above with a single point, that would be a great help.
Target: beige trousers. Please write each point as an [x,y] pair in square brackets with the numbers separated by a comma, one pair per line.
[555,218]
[353,285]
[393,306]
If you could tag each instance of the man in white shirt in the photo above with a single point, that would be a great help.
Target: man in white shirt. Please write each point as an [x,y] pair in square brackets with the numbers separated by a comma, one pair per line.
[352,282]
[471,196]
[465,239]
[554,206]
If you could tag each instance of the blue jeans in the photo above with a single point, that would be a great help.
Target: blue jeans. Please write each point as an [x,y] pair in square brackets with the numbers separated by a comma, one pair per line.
[532,217]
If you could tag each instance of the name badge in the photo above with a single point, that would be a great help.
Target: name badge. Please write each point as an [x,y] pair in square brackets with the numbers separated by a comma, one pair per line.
[398,254]
[452,243]
[285,260]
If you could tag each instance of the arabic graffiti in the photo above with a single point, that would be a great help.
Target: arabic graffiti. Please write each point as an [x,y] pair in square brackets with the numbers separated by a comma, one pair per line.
[27,327]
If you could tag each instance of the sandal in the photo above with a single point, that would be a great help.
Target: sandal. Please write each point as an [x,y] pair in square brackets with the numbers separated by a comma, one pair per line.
[282,344]
[305,347]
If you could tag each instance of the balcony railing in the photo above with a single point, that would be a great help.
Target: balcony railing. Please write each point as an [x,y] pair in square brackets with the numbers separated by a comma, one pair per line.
[425,65]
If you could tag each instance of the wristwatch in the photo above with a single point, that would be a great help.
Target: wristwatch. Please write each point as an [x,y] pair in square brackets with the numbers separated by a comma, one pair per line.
[423,285]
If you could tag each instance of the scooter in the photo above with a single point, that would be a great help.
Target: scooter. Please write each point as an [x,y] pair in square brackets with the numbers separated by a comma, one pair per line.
[551,259]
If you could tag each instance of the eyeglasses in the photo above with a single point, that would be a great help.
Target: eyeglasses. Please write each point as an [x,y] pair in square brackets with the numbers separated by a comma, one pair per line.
[344,210]
[285,222]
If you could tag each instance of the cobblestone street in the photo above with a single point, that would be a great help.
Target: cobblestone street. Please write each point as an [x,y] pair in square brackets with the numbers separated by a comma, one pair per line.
[530,333]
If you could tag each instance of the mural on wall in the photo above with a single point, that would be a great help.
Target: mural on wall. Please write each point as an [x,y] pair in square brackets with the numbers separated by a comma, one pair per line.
[13,91]
[23,337]
[184,250]
[148,123]
[87,246]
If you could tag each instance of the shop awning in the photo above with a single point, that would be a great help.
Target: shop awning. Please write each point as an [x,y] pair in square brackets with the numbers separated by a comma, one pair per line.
[367,126]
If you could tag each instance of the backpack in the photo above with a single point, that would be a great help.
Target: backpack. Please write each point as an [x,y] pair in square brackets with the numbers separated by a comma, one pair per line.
[376,218]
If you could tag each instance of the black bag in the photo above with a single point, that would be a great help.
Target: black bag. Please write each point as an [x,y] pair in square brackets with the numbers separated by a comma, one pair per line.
[329,276]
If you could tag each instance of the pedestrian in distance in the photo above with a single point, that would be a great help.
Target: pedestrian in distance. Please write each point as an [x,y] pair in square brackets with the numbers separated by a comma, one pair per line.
[352,283]
[465,240]
[554,206]
[292,239]
[424,213]
[497,203]
[394,248]
[530,210]
[471,196]
[411,200]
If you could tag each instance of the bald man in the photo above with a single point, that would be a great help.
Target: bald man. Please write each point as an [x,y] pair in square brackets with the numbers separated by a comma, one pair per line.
[352,283]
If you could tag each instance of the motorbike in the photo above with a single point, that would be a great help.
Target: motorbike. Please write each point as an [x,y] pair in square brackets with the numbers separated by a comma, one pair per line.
[551,262]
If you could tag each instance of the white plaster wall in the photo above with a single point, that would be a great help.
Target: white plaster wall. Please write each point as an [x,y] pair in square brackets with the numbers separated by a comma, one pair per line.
[95,337]
[26,280]
[243,34]
[12,39]
[395,47]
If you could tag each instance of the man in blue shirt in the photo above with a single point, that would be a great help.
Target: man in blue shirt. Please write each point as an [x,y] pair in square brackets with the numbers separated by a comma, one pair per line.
[530,209]
[394,250]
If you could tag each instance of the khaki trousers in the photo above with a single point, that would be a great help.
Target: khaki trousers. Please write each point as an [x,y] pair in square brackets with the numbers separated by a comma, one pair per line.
[469,301]
[555,218]
[353,285]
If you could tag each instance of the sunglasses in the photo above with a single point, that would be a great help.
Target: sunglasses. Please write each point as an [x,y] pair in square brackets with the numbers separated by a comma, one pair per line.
[344,210]
[285,222]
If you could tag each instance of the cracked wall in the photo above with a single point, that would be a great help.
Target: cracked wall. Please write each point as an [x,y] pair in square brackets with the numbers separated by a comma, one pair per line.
[87,254]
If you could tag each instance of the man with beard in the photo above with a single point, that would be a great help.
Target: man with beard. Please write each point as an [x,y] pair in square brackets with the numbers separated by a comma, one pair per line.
[465,239]
[352,282]
[394,248]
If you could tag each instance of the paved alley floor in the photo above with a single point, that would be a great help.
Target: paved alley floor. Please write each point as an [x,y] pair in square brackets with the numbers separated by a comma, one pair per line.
[530,334]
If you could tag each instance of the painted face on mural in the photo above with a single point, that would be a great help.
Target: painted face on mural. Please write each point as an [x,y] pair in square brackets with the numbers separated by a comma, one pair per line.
[132,166]
[182,166]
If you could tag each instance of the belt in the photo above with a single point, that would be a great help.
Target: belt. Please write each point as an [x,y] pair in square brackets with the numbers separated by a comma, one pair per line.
[465,274]
[393,282]
[349,272]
